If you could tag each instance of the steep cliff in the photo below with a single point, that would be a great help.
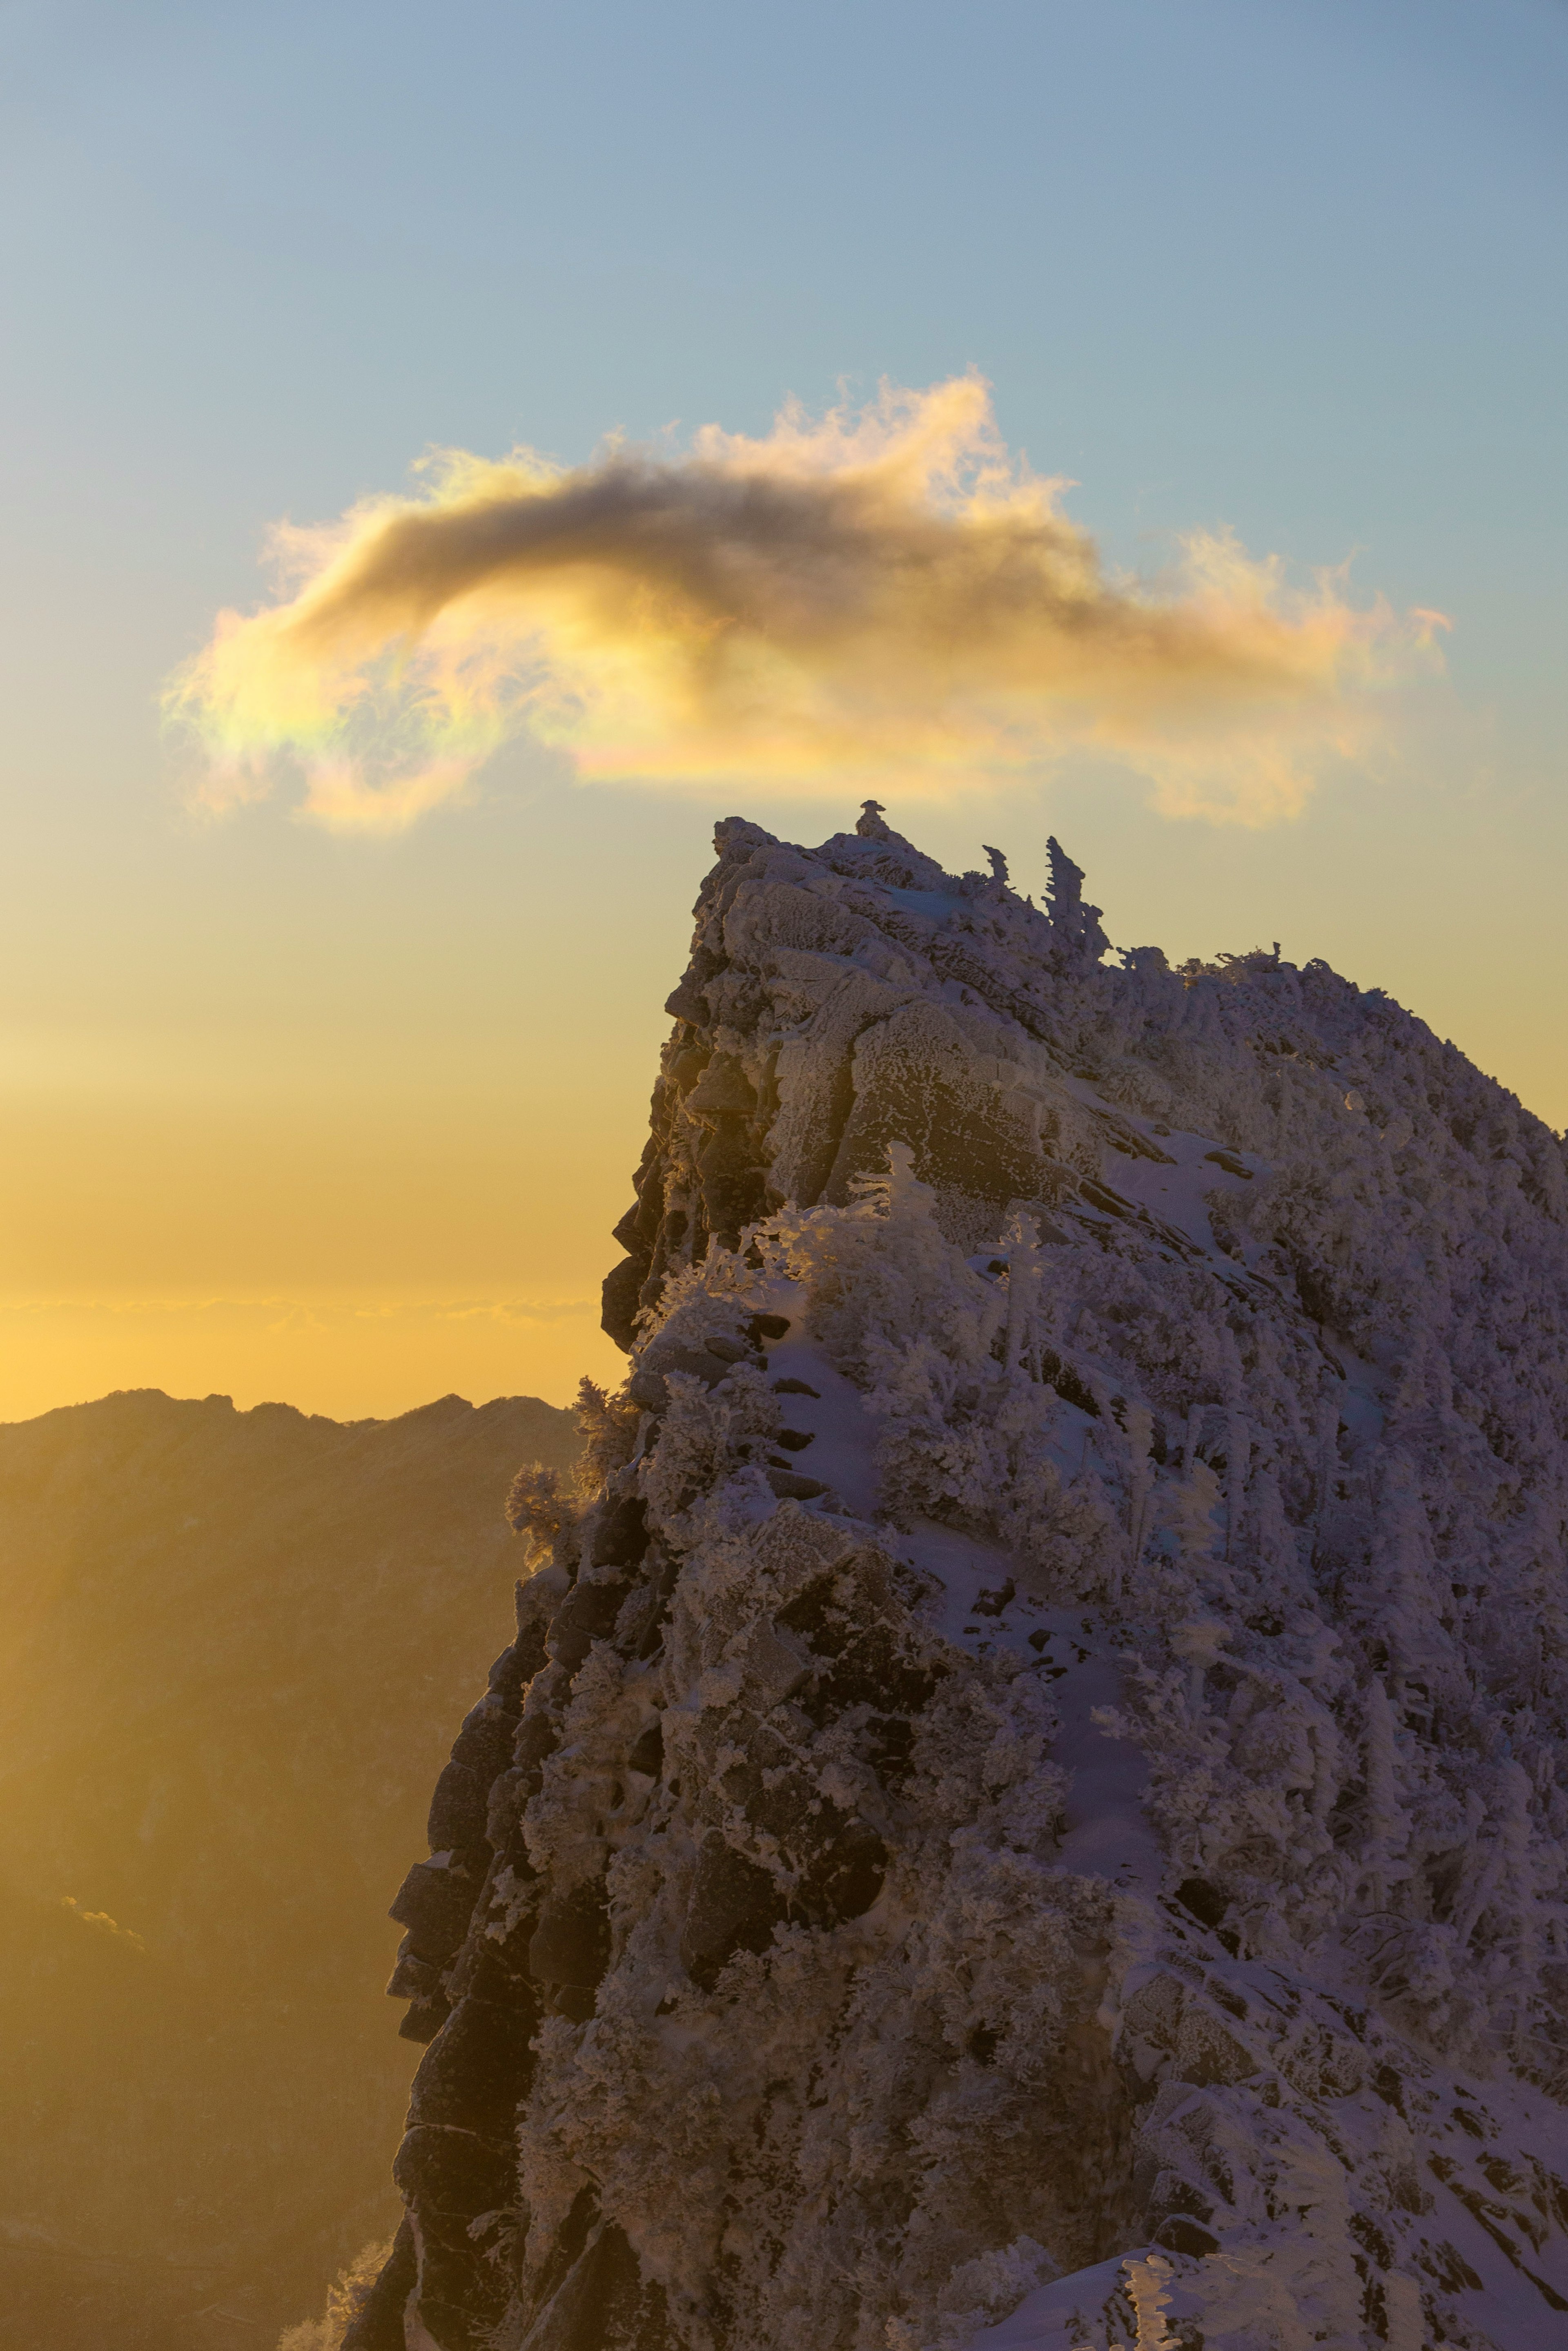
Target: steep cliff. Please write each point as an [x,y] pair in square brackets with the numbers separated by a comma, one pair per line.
[231,1647]
[1026,1806]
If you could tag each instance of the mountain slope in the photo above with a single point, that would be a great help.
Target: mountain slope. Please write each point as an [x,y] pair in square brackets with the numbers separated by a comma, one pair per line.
[228,1643]
[1030,1808]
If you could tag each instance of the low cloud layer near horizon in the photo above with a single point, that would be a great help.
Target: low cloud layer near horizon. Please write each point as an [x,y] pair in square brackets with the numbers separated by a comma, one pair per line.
[879,593]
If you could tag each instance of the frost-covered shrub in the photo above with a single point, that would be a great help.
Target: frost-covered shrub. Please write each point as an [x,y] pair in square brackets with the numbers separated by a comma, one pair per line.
[608,1428]
[346,2298]
[782,1872]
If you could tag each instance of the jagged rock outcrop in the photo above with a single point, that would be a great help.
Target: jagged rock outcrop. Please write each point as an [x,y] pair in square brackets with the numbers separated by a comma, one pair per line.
[811,1030]
[231,1647]
[1026,1804]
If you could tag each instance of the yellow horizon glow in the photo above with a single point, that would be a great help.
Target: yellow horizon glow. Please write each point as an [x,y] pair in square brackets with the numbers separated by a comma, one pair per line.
[350,1247]
[348,1359]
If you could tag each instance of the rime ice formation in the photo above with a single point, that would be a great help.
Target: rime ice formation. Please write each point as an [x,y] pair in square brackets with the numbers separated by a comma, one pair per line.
[1026,1806]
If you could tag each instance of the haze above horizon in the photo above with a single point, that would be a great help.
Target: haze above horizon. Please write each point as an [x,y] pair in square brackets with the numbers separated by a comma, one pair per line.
[345,1121]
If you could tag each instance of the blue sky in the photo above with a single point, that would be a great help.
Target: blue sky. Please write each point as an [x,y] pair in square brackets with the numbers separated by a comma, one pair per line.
[1295,269]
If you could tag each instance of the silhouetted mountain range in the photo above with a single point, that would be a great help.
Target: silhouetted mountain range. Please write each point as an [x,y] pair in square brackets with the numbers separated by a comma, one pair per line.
[231,1644]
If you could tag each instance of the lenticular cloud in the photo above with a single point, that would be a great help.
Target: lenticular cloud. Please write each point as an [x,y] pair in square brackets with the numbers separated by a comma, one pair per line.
[869,594]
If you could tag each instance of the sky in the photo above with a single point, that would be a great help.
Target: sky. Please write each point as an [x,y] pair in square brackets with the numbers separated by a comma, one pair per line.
[342,1116]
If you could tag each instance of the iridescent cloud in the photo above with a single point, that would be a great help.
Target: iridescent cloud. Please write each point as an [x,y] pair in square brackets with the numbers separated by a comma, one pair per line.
[871,594]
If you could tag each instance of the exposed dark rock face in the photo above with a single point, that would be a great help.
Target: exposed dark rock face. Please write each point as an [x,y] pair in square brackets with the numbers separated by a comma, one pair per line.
[1003,1831]
[678,1730]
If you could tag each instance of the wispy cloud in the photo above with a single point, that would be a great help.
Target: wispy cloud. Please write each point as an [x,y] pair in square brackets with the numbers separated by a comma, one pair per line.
[871,594]
[101,1923]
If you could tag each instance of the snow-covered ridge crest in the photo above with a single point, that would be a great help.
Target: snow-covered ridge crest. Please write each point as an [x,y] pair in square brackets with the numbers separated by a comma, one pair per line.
[1027,1807]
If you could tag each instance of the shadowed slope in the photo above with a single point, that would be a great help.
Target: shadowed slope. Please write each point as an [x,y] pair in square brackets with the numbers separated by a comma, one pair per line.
[229,1643]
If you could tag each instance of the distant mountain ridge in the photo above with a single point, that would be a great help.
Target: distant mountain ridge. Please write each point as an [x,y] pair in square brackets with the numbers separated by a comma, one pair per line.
[231,1644]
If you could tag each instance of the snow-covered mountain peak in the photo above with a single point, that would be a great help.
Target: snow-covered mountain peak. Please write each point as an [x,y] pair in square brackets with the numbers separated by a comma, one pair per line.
[1027,1806]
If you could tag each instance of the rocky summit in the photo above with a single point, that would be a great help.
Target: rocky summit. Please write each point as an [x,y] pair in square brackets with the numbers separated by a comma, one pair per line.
[1027,1807]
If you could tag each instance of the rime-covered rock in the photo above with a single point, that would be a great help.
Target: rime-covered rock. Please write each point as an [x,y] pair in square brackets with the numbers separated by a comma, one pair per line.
[1034,1814]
